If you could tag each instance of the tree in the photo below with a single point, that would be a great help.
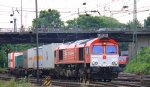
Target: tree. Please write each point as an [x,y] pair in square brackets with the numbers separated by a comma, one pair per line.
[86,22]
[7,48]
[2,58]
[48,19]
[147,22]
[109,22]
[96,22]
[72,23]
[131,25]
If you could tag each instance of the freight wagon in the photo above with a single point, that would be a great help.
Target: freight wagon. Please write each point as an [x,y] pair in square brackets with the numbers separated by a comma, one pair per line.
[12,59]
[26,62]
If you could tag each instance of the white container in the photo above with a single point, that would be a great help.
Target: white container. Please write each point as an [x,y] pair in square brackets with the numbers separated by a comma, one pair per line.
[40,50]
[28,58]
[48,55]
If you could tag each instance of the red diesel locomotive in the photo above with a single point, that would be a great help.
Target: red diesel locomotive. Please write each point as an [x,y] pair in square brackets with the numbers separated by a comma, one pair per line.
[95,58]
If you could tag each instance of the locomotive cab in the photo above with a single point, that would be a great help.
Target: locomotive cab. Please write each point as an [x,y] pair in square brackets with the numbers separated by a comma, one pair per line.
[104,59]
[104,55]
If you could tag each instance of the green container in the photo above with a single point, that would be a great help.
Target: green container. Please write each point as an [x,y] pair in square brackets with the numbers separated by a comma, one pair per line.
[19,61]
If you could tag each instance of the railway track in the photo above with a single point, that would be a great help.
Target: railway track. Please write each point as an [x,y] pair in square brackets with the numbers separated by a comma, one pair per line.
[125,80]
[94,84]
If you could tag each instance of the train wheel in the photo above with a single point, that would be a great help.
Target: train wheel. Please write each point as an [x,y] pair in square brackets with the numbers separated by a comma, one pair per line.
[106,80]
[109,80]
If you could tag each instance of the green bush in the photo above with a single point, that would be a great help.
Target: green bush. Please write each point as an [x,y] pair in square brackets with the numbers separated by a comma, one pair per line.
[141,63]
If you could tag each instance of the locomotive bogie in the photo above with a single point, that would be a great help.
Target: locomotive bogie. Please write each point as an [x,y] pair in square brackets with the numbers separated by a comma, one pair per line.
[104,73]
[72,71]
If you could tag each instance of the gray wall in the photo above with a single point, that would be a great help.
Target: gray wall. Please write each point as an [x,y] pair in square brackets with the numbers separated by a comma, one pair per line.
[142,41]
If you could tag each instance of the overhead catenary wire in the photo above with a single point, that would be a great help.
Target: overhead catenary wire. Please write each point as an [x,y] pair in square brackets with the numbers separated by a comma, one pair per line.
[73,11]
[24,9]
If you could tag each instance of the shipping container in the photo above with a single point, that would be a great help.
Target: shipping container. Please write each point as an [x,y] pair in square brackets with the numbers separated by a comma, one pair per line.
[48,55]
[40,50]
[11,59]
[28,58]
[19,61]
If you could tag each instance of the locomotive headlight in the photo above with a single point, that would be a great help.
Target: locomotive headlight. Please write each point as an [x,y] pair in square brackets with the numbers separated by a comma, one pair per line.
[94,63]
[114,63]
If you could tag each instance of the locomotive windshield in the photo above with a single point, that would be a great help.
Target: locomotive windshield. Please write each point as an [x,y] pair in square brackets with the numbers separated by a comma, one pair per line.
[97,49]
[111,49]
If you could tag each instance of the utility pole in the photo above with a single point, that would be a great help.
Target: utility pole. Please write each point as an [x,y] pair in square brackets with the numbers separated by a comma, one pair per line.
[135,19]
[78,12]
[15,28]
[21,19]
[14,20]
[84,4]
[135,12]
[135,28]
[77,20]
[37,41]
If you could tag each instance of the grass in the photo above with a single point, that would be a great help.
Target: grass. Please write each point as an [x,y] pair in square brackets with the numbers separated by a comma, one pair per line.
[141,63]
[13,83]
[2,70]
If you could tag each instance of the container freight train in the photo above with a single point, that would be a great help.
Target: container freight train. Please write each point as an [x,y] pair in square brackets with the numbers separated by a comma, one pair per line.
[25,63]
[95,58]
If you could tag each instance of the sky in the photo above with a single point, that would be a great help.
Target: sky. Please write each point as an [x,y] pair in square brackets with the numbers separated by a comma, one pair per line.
[69,9]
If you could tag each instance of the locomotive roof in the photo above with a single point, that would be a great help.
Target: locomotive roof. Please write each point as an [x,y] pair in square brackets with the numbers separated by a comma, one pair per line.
[81,41]
[88,42]
[73,44]
[102,39]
